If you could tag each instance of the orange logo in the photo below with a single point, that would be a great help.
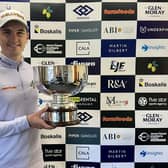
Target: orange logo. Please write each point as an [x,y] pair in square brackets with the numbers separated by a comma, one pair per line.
[8,87]
[119,11]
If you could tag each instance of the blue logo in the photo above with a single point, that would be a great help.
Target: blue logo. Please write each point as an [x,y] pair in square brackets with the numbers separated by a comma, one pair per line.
[145,47]
[143,153]
[156,47]
[92,63]
[117,83]
[117,153]
[40,101]
[118,48]
[152,29]
[83,10]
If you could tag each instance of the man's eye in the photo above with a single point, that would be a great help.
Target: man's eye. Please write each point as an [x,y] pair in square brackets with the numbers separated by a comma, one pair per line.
[21,32]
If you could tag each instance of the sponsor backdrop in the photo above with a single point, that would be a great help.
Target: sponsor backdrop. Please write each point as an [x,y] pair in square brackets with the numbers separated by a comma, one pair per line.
[124,108]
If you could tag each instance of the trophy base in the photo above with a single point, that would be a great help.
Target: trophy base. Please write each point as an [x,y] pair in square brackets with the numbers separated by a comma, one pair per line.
[62,124]
[61,116]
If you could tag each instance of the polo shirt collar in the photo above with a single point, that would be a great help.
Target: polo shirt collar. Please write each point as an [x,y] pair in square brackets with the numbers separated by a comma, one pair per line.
[9,62]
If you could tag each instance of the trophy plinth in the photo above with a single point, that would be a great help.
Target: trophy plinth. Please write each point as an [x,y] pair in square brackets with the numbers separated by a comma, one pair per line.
[61,81]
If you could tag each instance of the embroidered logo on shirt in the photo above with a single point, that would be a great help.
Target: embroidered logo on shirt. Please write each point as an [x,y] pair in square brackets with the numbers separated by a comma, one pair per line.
[8,87]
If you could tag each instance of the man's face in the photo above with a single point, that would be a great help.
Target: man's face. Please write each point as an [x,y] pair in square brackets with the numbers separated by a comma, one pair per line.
[13,38]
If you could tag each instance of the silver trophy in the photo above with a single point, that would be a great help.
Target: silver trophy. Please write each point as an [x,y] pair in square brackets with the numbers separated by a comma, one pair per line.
[61,82]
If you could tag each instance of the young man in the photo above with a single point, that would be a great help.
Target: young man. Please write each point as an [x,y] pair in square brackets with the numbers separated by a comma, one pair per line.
[19,117]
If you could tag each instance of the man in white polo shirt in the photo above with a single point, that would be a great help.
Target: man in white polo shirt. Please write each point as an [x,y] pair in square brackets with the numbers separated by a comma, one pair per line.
[20,119]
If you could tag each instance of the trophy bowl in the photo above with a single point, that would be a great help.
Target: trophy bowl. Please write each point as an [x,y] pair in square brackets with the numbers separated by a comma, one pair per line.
[61,82]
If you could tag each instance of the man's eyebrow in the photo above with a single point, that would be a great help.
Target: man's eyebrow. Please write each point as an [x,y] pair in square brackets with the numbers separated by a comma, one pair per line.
[10,29]
[5,29]
[22,29]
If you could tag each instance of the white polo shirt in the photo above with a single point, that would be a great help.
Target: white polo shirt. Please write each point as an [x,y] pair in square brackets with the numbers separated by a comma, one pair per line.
[19,144]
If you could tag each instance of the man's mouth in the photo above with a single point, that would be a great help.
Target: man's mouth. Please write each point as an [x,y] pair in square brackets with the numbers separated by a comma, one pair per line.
[14,45]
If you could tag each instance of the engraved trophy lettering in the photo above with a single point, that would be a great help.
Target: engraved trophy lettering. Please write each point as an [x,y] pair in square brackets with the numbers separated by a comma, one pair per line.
[61,82]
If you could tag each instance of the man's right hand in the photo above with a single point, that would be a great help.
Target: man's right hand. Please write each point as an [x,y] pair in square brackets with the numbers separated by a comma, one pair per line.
[35,120]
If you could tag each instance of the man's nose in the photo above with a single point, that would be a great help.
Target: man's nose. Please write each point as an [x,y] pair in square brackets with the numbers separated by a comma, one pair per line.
[13,37]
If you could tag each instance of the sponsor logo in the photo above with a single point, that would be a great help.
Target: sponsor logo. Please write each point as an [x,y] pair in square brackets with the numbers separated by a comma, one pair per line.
[157,136]
[146,47]
[111,136]
[84,116]
[82,135]
[142,101]
[91,84]
[83,48]
[117,83]
[153,153]
[48,48]
[151,101]
[113,101]
[93,64]
[82,165]
[39,30]
[117,165]
[143,83]
[117,30]
[117,119]
[145,29]
[151,65]
[53,152]
[117,153]
[51,136]
[117,136]
[47,12]
[83,10]
[47,63]
[154,117]
[153,137]
[145,153]
[151,119]
[118,48]
[82,153]
[117,66]
[154,10]
[152,0]
[119,11]
[117,101]
[87,100]
[49,166]
[110,30]
[83,30]
[152,29]
[151,165]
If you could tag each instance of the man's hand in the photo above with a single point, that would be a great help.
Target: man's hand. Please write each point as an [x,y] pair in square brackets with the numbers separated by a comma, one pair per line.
[35,120]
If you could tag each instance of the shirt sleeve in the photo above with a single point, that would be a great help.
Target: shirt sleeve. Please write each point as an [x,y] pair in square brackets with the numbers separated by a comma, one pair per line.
[9,128]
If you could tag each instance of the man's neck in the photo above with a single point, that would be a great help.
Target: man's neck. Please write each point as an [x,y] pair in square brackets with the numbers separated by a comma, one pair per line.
[16,58]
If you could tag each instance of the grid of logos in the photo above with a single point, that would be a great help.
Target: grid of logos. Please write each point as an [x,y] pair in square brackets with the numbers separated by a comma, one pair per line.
[124,108]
